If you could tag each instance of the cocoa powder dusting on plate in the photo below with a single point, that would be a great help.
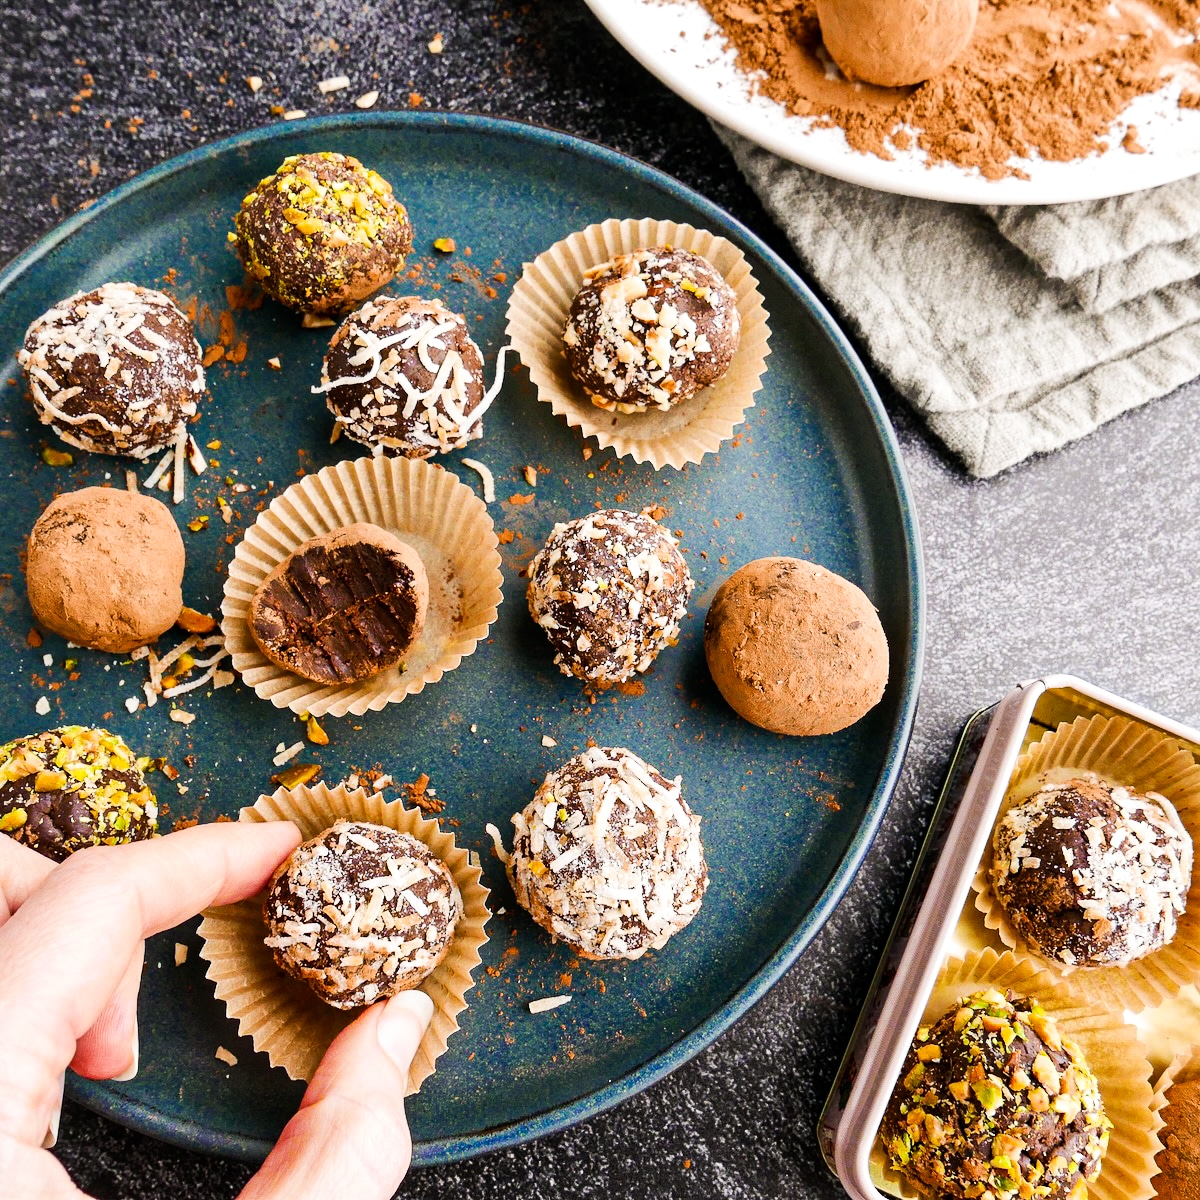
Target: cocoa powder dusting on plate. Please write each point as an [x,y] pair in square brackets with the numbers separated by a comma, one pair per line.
[1046,79]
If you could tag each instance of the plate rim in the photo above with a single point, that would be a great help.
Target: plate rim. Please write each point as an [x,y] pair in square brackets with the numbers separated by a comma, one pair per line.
[191,1134]
[866,170]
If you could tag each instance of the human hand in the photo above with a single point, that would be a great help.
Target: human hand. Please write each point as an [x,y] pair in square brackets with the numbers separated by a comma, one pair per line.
[71,940]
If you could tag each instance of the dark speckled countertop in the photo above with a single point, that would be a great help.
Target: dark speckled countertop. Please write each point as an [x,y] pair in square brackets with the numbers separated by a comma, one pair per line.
[1083,561]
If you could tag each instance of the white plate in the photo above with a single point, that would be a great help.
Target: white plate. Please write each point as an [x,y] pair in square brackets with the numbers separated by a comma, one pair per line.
[682,46]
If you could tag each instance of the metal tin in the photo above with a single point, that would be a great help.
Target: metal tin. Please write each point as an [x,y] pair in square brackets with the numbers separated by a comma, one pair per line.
[923,934]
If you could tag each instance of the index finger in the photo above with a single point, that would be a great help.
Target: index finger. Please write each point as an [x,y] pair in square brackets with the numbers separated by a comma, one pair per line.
[64,951]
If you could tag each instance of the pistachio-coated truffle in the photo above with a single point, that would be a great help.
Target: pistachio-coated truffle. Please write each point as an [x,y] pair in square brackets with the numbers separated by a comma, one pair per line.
[74,787]
[992,1100]
[322,233]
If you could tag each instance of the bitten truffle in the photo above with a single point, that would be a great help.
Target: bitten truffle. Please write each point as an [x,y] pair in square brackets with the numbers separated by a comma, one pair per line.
[341,607]
[105,568]
[1090,874]
[74,787]
[610,590]
[607,856]
[650,329]
[360,913]
[795,648]
[322,232]
[992,1100]
[403,376]
[1179,1159]
[115,370]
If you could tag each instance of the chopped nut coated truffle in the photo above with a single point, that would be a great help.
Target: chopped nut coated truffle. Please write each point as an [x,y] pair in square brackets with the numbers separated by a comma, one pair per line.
[992,1101]
[74,787]
[322,232]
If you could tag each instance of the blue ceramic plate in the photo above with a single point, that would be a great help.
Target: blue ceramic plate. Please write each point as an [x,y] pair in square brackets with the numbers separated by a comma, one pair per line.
[814,472]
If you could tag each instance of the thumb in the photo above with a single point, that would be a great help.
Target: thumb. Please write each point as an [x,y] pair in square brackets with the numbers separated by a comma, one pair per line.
[350,1136]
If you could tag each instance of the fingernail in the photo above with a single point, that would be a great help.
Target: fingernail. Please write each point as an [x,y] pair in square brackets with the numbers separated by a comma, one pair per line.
[402,1024]
[133,1063]
[51,1137]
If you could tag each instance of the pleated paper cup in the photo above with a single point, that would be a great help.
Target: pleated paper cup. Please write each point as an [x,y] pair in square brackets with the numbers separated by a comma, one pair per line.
[423,505]
[284,1018]
[1125,753]
[1112,1050]
[537,313]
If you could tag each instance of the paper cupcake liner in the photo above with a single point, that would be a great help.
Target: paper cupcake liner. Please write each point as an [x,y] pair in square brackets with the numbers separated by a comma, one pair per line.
[427,507]
[1125,752]
[537,312]
[284,1017]
[1110,1046]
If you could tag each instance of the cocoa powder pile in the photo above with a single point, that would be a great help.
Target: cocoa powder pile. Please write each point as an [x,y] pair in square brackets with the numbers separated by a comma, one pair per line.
[1041,79]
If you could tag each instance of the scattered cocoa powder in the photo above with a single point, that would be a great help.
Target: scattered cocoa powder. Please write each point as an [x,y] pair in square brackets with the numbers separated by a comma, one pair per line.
[1040,78]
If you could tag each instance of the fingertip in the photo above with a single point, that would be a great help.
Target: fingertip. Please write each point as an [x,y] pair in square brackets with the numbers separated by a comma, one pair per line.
[401,1026]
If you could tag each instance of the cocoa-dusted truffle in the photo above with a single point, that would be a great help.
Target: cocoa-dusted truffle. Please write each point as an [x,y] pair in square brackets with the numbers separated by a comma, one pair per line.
[322,232]
[795,648]
[1090,874]
[105,568]
[991,1100]
[1179,1159]
[649,329]
[115,370]
[607,856]
[74,787]
[361,912]
[341,607]
[610,590]
[403,376]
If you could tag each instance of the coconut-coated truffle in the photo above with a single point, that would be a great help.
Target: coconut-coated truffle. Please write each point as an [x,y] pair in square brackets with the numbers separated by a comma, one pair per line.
[609,589]
[991,1100]
[322,232]
[1090,874]
[607,856]
[361,912]
[105,568]
[74,787]
[115,370]
[795,648]
[341,607]
[648,329]
[403,376]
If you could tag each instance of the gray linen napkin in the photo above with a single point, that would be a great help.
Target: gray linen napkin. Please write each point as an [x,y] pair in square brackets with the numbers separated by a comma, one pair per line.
[1001,361]
[1111,251]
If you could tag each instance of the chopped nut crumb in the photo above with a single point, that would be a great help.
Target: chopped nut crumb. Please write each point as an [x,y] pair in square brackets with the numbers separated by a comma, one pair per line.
[254,82]
[295,114]
[42,707]
[444,245]
[182,718]
[335,84]
[297,775]
[57,458]
[366,100]
[181,953]
[312,321]
[546,1003]
[438,44]
[548,741]
[226,1056]
[275,364]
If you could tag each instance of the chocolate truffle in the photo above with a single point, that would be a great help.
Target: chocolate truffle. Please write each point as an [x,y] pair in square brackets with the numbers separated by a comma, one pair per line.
[341,607]
[649,329]
[607,856]
[795,648]
[1091,875]
[360,913]
[322,232]
[403,376]
[74,787]
[610,590]
[115,370]
[991,1100]
[105,568]
[1179,1159]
